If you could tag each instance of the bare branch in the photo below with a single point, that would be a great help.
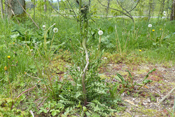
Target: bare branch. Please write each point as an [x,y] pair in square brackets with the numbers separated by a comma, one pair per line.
[72,9]
[135,6]
[118,10]
[166,96]
[107,9]
[25,92]
[58,12]
[126,11]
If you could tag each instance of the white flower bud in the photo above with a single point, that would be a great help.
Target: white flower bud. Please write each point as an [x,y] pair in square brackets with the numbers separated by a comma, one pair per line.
[164,13]
[44,26]
[149,25]
[100,32]
[55,30]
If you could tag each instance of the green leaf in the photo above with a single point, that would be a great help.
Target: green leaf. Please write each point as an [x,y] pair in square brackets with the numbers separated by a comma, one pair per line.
[117,78]
[147,81]
[129,73]
[149,73]
[95,115]
[96,108]
[77,94]
[167,37]
[121,77]
[55,112]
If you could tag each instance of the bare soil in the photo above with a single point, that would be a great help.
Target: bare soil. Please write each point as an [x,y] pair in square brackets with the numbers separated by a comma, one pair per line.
[145,101]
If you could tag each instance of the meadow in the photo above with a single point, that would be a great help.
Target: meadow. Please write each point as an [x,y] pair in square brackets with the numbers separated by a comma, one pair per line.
[43,71]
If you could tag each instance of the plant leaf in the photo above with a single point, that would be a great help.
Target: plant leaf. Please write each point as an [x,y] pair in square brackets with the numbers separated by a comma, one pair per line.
[149,73]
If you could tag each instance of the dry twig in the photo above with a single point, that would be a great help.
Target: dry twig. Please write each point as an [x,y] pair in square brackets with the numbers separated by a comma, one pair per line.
[166,96]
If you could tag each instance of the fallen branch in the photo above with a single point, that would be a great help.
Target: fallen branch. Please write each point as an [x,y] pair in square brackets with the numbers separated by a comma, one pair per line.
[39,105]
[166,96]
[24,92]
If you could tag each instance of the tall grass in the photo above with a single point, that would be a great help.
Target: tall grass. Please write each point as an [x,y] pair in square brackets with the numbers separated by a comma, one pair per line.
[28,65]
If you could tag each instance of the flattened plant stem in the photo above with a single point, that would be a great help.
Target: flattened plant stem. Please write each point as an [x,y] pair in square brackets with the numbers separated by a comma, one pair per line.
[83,37]
[166,96]
[84,73]
[99,42]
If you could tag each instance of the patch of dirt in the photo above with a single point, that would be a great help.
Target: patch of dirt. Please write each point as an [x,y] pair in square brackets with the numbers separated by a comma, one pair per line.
[145,101]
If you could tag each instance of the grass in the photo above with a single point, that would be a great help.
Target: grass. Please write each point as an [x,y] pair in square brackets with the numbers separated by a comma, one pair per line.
[30,79]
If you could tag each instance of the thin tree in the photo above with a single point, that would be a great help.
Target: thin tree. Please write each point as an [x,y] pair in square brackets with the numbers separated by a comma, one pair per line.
[34,9]
[45,6]
[2,11]
[58,5]
[172,16]
[107,9]
[150,9]
[162,8]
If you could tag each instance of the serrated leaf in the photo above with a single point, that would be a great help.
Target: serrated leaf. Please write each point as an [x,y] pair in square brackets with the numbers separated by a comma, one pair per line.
[77,94]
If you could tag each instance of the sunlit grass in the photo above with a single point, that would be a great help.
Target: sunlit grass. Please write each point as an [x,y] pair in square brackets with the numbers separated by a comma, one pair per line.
[24,63]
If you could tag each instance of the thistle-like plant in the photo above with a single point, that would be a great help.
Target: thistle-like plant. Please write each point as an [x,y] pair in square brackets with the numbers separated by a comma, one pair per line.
[84,93]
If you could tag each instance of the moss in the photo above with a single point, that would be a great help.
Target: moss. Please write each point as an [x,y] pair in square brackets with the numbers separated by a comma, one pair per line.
[60,62]
[5,108]
[58,66]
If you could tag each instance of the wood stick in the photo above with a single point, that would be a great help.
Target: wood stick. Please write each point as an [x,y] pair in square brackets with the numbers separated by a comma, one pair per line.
[166,96]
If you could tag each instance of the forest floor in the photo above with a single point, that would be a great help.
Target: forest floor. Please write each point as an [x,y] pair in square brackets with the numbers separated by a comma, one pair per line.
[145,101]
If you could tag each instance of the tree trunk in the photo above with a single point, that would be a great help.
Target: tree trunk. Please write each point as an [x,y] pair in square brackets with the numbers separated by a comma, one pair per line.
[34,11]
[58,5]
[45,6]
[107,9]
[162,7]
[14,8]
[2,11]
[172,16]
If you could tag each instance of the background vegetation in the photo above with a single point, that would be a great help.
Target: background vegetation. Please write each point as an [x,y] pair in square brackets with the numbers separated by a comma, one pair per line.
[50,60]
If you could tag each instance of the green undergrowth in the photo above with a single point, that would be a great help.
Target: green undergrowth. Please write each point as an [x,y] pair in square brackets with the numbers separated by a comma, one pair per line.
[42,71]
[7,110]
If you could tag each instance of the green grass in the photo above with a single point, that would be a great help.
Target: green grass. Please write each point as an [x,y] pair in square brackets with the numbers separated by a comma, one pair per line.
[29,62]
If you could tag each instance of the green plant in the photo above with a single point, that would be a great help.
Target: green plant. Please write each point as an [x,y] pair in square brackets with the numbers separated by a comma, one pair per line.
[83,92]
[6,108]
[128,84]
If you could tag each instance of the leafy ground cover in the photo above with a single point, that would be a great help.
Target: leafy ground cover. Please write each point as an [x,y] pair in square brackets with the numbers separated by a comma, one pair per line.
[41,69]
